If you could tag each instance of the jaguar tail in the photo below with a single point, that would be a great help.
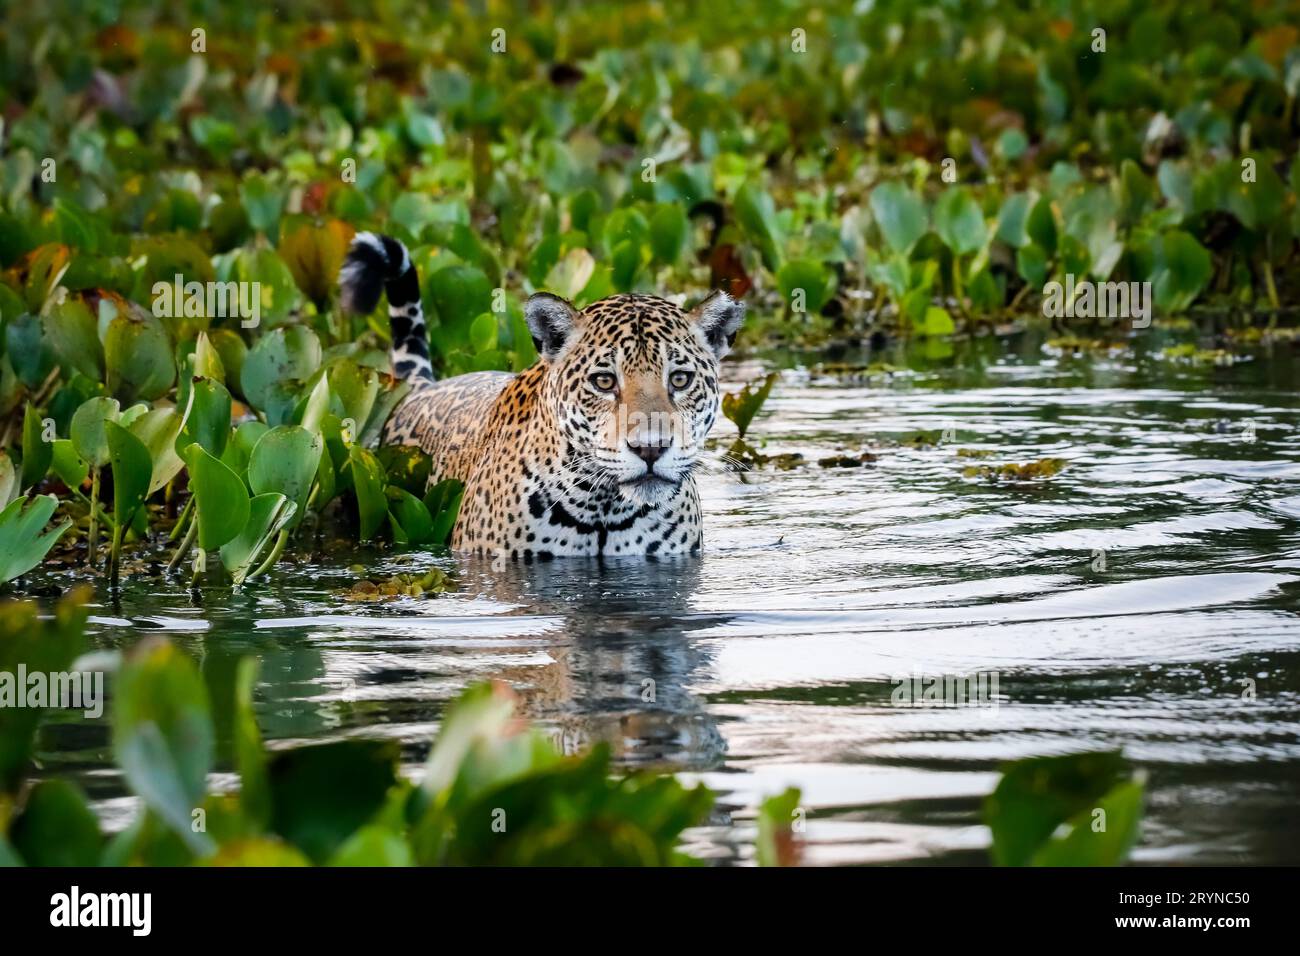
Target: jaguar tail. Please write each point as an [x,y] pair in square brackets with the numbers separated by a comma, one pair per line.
[377,264]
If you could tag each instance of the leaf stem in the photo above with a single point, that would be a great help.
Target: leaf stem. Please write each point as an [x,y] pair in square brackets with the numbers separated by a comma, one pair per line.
[180,522]
[94,519]
[114,555]
[184,547]
[273,556]
[1272,287]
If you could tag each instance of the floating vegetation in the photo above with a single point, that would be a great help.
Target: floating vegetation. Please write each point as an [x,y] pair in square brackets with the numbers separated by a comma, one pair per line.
[1254,335]
[741,406]
[923,439]
[1190,354]
[847,461]
[406,584]
[850,372]
[1031,471]
[1076,346]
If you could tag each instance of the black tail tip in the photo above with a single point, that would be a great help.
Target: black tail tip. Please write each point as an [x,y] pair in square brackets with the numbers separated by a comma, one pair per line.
[372,260]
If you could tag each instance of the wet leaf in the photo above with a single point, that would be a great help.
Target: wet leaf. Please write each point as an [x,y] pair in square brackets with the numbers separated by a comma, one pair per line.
[132,471]
[267,515]
[778,845]
[162,734]
[24,542]
[37,452]
[138,354]
[220,497]
[88,432]
[742,406]
[284,461]
[1037,796]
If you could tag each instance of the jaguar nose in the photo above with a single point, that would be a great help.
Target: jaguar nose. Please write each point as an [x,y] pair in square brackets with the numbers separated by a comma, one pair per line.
[648,453]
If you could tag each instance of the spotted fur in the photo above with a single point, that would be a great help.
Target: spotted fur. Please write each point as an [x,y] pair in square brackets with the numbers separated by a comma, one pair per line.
[591,450]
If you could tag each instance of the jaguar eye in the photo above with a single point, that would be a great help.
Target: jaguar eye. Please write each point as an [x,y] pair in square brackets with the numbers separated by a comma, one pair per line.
[603,381]
[681,379]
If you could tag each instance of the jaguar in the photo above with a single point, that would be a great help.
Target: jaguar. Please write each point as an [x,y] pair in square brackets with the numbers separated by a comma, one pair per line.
[593,449]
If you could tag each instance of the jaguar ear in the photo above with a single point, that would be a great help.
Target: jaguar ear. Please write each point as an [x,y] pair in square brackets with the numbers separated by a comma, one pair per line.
[719,317]
[550,321]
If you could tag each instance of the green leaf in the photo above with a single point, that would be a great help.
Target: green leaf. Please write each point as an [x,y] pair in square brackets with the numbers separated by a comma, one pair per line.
[250,755]
[900,213]
[1012,144]
[67,464]
[777,844]
[285,460]
[10,483]
[756,213]
[132,470]
[208,420]
[207,360]
[240,447]
[1038,795]
[268,514]
[571,274]
[1175,180]
[158,430]
[959,221]
[814,279]
[88,432]
[356,387]
[1137,191]
[317,405]
[27,349]
[263,201]
[368,486]
[935,322]
[42,645]
[73,337]
[23,541]
[1012,219]
[1102,836]
[260,852]
[37,452]
[138,354]
[1041,226]
[277,294]
[232,351]
[57,827]
[483,333]
[742,406]
[277,366]
[409,517]
[1031,263]
[479,716]
[1183,269]
[669,229]
[309,807]
[162,734]
[406,466]
[220,496]
[374,845]
[456,295]
[443,502]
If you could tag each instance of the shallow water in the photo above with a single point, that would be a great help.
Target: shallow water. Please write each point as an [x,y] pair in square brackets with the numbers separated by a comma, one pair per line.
[1132,602]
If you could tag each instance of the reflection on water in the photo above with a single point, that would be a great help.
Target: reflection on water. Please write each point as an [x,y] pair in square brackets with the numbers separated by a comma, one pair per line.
[1145,598]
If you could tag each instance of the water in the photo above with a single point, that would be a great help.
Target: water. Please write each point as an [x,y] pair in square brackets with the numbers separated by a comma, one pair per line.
[1133,601]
